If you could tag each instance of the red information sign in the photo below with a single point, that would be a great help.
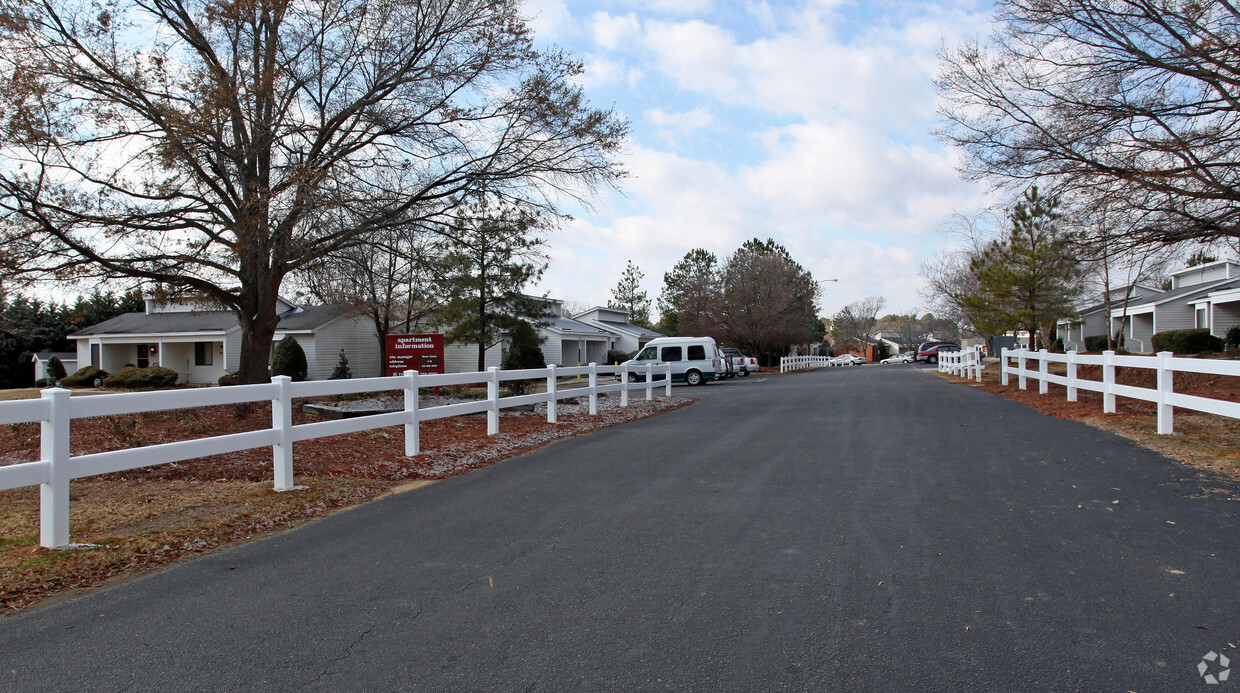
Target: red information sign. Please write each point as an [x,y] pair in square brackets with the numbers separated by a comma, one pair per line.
[414,352]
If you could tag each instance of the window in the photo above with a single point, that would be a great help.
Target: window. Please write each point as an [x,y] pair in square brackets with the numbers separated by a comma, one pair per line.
[671,353]
[204,352]
[1202,320]
[94,354]
[697,352]
[146,354]
[648,354]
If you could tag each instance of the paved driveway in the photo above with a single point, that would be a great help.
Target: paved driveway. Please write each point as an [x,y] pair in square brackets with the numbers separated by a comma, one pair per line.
[843,529]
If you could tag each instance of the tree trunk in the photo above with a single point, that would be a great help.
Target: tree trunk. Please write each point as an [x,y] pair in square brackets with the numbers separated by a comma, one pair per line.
[257,333]
[258,318]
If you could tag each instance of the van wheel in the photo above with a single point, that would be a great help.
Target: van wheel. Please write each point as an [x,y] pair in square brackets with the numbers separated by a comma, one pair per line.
[932,359]
[693,378]
[632,377]
[743,373]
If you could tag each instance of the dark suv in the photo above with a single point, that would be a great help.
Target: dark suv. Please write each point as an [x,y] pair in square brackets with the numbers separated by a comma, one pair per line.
[929,351]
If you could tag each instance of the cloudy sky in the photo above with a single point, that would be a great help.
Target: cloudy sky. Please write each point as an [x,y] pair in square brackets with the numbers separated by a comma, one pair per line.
[801,120]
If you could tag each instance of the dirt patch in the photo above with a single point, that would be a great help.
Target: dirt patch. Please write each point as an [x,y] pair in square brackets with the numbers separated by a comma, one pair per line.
[148,518]
[1203,441]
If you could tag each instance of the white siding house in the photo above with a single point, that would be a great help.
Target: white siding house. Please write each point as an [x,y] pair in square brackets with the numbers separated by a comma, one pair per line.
[628,337]
[201,344]
[570,342]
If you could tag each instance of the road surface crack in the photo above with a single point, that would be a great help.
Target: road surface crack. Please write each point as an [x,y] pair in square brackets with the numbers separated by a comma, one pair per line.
[348,651]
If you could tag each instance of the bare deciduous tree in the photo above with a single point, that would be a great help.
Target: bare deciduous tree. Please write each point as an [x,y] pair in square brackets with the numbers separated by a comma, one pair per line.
[392,281]
[854,325]
[1134,100]
[949,275]
[216,147]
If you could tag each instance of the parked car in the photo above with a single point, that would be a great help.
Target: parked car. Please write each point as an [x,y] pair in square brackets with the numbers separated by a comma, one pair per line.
[741,364]
[905,357]
[848,360]
[929,351]
[694,359]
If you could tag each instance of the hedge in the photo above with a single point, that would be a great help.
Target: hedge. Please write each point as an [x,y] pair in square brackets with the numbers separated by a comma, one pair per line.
[84,377]
[1194,341]
[133,377]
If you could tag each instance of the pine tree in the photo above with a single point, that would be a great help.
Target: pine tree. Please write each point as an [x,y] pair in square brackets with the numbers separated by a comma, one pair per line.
[628,295]
[692,284]
[489,257]
[1028,280]
[342,371]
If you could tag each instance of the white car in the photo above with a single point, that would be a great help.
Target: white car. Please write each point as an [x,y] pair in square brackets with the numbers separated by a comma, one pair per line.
[906,357]
[848,360]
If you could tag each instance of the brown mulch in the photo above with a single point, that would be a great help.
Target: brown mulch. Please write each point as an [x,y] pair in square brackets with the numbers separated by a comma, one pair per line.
[148,518]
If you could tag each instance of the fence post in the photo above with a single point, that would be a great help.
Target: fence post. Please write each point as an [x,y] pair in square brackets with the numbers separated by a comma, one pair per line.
[1072,375]
[493,398]
[1003,366]
[977,363]
[552,414]
[649,381]
[1020,368]
[282,423]
[413,430]
[1108,382]
[667,392]
[624,384]
[593,388]
[1043,370]
[1166,412]
[54,495]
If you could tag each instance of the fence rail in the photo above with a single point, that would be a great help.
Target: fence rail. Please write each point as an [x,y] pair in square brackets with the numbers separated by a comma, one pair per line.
[788,364]
[1163,394]
[56,410]
[964,363]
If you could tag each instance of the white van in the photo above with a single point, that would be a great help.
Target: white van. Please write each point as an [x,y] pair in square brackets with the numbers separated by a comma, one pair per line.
[694,360]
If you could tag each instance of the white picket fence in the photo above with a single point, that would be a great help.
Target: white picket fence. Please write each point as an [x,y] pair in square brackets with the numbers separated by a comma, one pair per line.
[1163,395]
[966,363]
[56,410]
[788,364]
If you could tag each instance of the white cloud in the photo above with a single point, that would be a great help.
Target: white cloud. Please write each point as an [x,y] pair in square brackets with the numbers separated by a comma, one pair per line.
[676,125]
[831,101]
[550,19]
[696,55]
[611,32]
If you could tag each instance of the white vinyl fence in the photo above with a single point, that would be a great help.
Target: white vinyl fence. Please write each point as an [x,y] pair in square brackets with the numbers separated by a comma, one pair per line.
[966,363]
[56,410]
[788,364]
[1163,395]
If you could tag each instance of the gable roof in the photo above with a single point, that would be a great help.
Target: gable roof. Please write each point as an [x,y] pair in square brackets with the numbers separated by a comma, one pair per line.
[630,328]
[204,321]
[568,325]
[1141,294]
[1181,294]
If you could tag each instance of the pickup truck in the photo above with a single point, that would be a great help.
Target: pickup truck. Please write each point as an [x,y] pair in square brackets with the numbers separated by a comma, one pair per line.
[741,365]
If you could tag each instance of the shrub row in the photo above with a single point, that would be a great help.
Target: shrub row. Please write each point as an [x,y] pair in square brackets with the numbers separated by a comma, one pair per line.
[84,377]
[141,378]
[1195,341]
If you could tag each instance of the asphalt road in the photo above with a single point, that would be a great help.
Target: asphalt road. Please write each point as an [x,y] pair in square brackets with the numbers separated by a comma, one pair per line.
[845,529]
